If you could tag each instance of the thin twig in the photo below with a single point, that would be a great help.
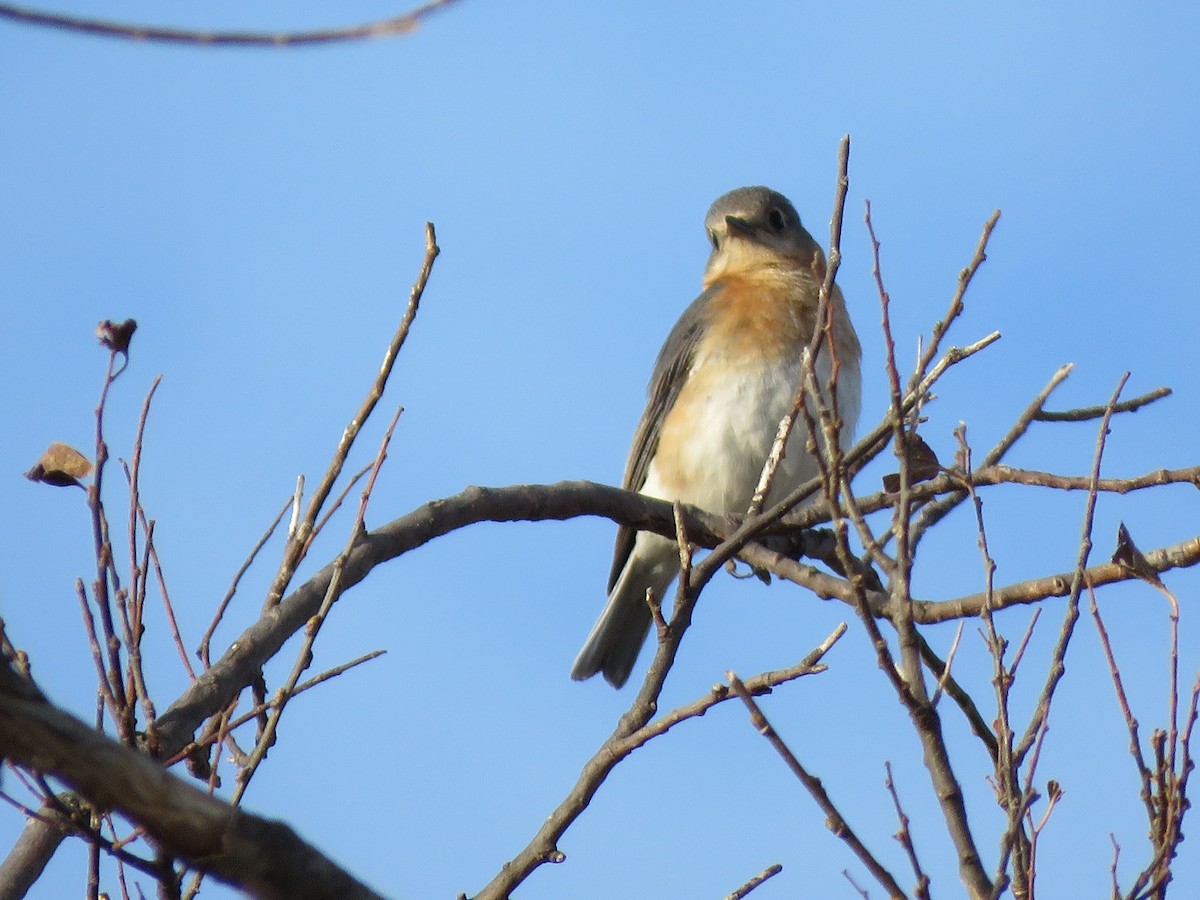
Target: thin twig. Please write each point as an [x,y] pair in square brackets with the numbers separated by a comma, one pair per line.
[966,703]
[834,820]
[304,656]
[137,515]
[907,677]
[205,642]
[1007,776]
[629,736]
[340,499]
[944,676]
[935,512]
[104,685]
[106,589]
[1086,413]
[956,302]
[256,711]
[822,321]
[765,875]
[1058,666]
[299,544]
[1131,724]
[904,835]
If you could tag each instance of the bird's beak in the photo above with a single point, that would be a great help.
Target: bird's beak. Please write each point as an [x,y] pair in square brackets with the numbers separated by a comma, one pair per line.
[739,226]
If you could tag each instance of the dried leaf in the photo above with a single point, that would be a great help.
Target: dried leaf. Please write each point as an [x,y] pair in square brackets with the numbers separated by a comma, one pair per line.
[198,765]
[1130,557]
[116,335]
[922,464]
[61,465]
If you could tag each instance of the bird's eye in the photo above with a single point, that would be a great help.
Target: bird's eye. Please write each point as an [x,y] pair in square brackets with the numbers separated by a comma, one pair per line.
[712,236]
[776,219]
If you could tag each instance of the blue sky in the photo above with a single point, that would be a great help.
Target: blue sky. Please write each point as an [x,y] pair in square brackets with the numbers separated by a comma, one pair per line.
[260,214]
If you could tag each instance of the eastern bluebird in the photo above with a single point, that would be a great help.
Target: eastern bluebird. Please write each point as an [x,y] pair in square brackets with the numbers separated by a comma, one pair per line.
[724,379]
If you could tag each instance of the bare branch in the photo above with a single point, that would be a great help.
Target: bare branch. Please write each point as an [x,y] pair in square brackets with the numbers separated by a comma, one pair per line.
[628,736]
[935,512]
[205,642]
[299,544]
[907,679]
[252,713]
[313,626]
[1086,413]
[39,840]
[1182,555]
[1071,615]
[1131,724]
[904,836]
[833,818]
[956,302]
[765,875]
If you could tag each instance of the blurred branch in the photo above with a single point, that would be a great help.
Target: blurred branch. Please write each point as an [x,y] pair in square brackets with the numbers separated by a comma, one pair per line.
[401,24]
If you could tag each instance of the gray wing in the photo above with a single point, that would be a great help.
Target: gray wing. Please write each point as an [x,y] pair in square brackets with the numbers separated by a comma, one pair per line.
[670,373]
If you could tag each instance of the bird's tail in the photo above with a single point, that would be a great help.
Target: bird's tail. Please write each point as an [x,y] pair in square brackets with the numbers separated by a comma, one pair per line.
[616,639]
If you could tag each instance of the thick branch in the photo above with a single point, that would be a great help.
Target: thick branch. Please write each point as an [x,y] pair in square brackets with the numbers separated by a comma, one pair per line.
[259,855]
[33,850]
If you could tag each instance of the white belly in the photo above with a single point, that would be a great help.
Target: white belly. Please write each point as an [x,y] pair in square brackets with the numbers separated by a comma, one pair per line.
[734,429]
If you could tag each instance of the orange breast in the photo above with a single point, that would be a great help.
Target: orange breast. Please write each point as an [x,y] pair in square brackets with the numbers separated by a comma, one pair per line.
[765,315]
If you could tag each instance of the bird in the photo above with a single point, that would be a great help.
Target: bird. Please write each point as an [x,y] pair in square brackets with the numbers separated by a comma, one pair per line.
[725,378]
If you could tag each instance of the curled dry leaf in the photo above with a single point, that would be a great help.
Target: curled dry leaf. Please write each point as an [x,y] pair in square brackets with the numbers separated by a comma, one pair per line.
[61,465]
[922,464]
[1130,557]
[116,335]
